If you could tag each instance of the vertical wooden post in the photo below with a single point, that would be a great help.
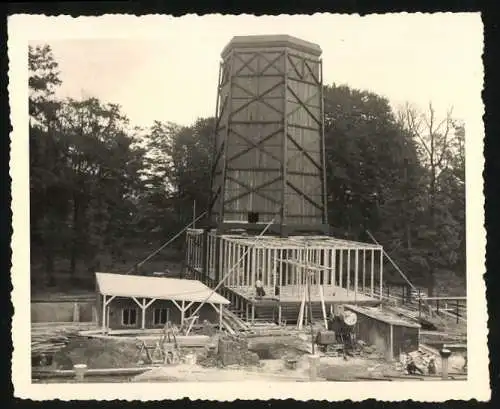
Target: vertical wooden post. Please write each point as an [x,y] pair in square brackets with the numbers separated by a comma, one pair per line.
[356,254]
[248,265]
[234,260]
[254,267]
[188,250]
[284,145]
[238,269]
[275,270]
[269,269]
[214,252]
[143,313]
[209,255]
[287,267]
[372,272]
[391,343]
[341,266]
[318,262]
[348,270]
[221,270]
[220,316]
[195,248]
[182,312]
[229,259]
[195,251]
[381,273]
[364,270]
[103,313]
[327,266]
[334,267]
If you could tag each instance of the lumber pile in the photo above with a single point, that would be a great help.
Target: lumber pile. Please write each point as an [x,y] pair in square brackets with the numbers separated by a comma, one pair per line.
[50,338]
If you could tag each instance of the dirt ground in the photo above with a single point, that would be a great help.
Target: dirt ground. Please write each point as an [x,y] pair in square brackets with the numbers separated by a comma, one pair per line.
[97,353]
[330,368]
[273,352]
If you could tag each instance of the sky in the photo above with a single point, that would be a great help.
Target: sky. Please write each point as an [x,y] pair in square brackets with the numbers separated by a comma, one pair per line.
[166,68]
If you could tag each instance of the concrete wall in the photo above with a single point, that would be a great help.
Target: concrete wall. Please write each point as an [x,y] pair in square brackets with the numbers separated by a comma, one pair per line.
[117,305]
[61,311]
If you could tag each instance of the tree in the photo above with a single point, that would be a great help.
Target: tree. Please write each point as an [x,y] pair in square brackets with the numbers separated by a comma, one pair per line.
[441,151]
[102,178]
[179,168]
[373,173]
[46,167]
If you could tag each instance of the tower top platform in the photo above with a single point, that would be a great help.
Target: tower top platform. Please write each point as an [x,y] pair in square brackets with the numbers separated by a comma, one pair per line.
[271,41]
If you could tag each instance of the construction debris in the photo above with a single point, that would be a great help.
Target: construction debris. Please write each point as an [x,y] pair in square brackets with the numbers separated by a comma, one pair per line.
[229,350]
[48,339]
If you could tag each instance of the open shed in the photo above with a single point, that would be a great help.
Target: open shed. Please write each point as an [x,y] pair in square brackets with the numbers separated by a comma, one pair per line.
[120,299]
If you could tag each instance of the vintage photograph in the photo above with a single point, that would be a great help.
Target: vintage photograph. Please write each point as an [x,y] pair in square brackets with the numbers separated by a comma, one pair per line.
[279,199]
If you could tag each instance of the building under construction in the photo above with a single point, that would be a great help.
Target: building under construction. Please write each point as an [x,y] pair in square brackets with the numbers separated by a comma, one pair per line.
[268,212]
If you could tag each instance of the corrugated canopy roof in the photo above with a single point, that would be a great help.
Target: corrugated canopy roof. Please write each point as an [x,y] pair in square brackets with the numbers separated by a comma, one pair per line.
[161,288]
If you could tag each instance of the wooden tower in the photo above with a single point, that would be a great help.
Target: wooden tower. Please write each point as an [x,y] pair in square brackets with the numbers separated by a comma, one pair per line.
[269,156]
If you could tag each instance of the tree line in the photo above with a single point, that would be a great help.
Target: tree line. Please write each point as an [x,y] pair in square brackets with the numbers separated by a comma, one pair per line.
[103,192]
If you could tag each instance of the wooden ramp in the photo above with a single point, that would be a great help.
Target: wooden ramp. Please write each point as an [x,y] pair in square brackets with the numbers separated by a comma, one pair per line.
[232,323]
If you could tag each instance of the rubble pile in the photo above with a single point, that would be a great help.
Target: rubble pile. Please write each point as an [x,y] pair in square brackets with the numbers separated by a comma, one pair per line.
[228,350]
[234,351]
[422,360]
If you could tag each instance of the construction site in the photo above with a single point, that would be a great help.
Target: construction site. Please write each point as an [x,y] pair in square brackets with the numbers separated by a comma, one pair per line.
[265,291]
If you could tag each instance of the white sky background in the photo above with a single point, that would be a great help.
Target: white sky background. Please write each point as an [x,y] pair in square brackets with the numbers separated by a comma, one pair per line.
[170,73]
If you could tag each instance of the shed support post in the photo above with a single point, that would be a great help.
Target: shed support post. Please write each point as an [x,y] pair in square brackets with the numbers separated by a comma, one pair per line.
[391,343]
[182,312]
[143,310]
[103,314]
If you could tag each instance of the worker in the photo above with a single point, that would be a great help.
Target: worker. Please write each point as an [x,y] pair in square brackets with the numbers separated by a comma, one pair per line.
[431,367]
[259,288]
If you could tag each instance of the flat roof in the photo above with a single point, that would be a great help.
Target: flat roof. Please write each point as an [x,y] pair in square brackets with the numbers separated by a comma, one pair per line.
[161,288]
[294,242]
[269,41]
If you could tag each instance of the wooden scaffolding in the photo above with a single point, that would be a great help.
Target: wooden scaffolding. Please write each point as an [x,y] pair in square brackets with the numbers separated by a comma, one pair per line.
[351,268]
